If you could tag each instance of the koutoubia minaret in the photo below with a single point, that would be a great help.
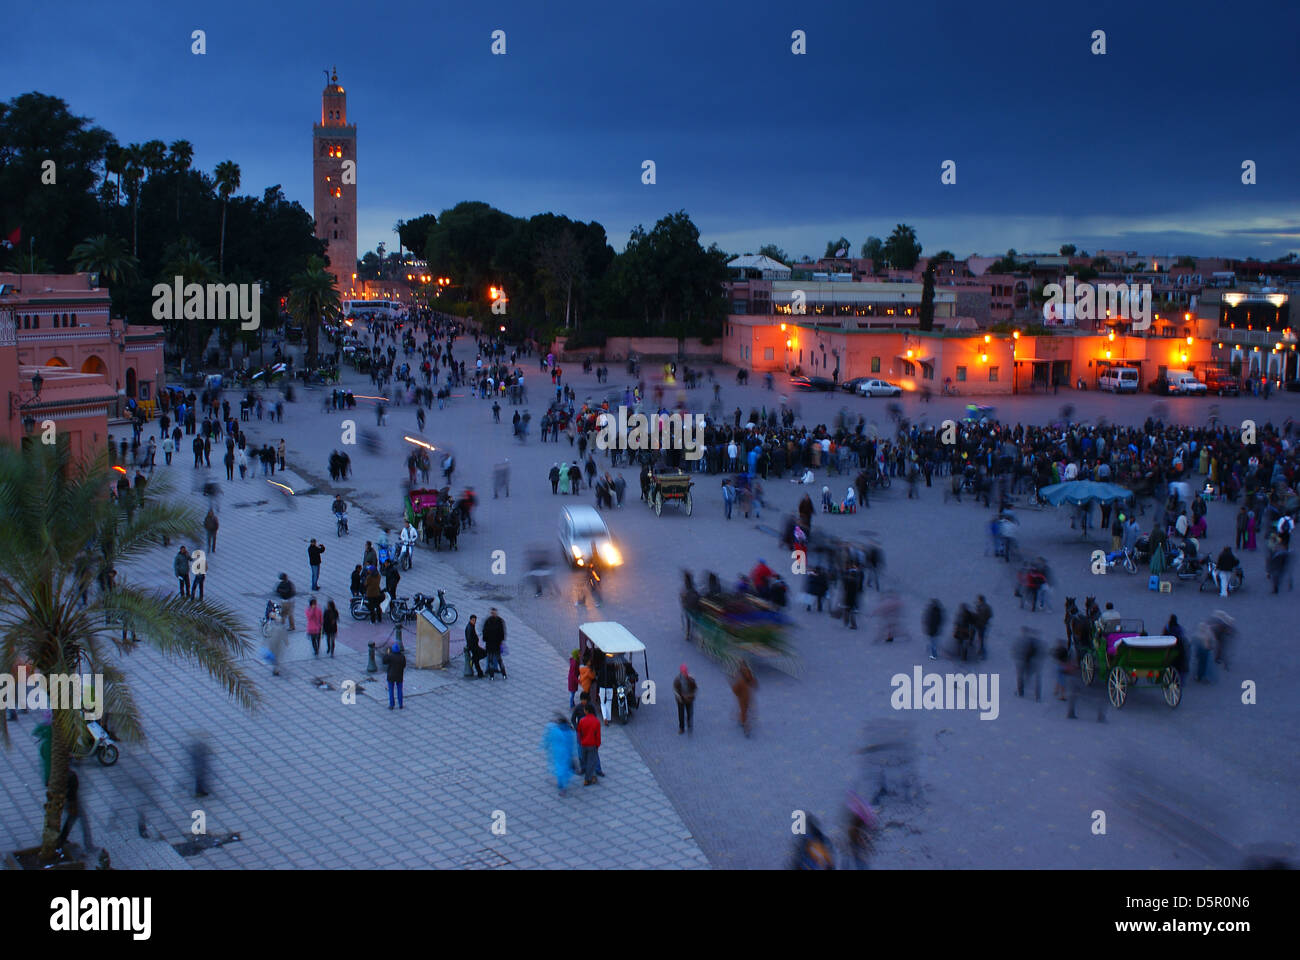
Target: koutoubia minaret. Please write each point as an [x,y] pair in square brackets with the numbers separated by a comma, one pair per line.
[334,173]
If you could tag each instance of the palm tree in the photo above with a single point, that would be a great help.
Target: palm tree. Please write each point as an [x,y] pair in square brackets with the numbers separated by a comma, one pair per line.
[133,169]
[114,164]
[227,174]
[107,257]
[59,535]
[313,297]
[184,259]
[182,153]
[154,156]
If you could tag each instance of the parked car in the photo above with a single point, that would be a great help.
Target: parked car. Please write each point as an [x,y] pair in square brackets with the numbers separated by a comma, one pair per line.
[1222,382]
[1184,383]
[1119,380]
[880,388]
[854,385]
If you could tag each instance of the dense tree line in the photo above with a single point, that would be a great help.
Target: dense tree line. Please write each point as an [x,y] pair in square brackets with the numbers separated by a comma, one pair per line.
[140,214]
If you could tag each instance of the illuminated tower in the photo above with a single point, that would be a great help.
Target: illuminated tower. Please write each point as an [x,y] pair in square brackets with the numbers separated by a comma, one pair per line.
[334,188]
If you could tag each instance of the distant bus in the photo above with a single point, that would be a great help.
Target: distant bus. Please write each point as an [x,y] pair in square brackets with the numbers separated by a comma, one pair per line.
[373,308]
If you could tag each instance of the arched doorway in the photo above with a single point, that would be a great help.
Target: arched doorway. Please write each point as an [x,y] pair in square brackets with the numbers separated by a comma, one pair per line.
[94,365]
[56,362]
[130,381]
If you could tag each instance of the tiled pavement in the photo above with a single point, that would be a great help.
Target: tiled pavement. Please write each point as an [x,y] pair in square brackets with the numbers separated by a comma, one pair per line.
[310,781]
[1015,792]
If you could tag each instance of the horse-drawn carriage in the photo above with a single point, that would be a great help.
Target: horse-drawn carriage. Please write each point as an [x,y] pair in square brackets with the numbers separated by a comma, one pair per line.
[670,486]
[1124,654]
[730,627]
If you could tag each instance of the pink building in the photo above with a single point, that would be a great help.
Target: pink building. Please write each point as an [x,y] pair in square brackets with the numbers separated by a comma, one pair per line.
[64,321]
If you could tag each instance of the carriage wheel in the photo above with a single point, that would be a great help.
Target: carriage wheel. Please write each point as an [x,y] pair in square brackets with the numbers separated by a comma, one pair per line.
[1173,687]
[1088,667]
[686,502]
[659,503]
[1117,686]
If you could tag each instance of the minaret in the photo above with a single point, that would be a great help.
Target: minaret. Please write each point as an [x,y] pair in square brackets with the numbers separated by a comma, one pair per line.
[333,143]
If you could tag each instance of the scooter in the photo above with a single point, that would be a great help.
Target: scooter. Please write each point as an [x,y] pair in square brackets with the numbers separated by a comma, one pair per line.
[404,556]
[1187,568]
[101,745]
[1124,559]
[1211,581]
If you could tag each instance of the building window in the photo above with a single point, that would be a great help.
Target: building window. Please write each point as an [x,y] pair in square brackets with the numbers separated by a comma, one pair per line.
[74,319]
[908,369]
[875,364]
[927,370]
[993,374]
[961,374]
[769,353]
[336,234]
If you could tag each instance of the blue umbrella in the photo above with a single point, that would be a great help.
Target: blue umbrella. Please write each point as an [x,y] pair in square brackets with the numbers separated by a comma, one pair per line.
[1084,491]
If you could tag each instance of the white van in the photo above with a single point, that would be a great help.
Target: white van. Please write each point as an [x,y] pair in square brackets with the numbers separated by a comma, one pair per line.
[1120,380]
[1184,382]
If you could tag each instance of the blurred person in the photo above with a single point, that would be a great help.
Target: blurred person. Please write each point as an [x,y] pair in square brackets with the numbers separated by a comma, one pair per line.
[560,744]
[1027,663]
[589,744]
[684,688]
[743,686]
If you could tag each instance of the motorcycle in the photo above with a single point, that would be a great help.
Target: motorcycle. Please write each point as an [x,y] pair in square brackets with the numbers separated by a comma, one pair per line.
[1124,559]
[442,611]
[100,744]
[341,527]
[360,611]
[1211,581]
[1188,566]
[404,555]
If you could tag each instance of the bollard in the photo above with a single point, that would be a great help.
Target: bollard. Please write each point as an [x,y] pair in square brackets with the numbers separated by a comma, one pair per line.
[372,667]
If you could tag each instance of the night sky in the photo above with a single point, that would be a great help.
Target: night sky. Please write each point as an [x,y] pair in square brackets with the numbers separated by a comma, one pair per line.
[1138,149]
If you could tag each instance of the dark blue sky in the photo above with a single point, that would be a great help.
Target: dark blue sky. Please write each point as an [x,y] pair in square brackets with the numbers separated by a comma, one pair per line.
[1138,149]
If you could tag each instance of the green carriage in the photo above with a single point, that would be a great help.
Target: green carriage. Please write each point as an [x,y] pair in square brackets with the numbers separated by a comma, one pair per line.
[1126,657]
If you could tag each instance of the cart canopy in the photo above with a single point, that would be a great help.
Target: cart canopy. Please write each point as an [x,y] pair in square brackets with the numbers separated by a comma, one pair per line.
[610,637]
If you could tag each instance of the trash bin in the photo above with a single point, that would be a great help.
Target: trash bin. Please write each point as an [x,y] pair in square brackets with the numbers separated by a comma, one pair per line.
[432,643]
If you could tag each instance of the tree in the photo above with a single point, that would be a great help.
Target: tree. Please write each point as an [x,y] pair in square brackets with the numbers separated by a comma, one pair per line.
[313,297]
[134,170]
[107,257]
[227,174]
[559,260]
[834,246]
[773,251]
[59,536]
[39,137]
[926,321]
[1101,264]
[943,256]
[1067,249]
[414,234]
[902,250]
[182,154]
[1185,262]
[874,250]
[184,259]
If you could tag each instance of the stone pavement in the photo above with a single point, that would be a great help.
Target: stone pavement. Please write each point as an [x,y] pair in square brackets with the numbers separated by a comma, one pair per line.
[310,781]
[1018,791]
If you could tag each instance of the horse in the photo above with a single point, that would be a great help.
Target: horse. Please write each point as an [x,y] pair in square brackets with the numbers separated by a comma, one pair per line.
[1078,626]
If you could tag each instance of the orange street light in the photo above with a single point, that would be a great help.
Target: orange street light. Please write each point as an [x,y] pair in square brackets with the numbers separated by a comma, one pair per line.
[1189,341]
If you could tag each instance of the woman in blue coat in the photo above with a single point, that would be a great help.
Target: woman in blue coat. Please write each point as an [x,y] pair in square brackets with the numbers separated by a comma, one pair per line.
[560,744]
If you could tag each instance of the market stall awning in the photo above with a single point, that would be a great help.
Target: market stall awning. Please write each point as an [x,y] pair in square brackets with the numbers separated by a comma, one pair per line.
[1084,491]
[917,357]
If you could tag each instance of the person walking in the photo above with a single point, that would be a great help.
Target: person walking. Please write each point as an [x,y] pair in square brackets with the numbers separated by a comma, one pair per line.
[395,661]
[277,644]
[474,652]
[314,551]
[284,589]
[280,450]
[983,614]
[574,665]
[494,639]
[199,582]
[374,594]
[684,687]
[181,567]
[560,744]
[211,524]
[851,585]
[330,626]
[1027,663]
[932,622]
[315,625]
[554,477]
[743,686]
[589,744]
